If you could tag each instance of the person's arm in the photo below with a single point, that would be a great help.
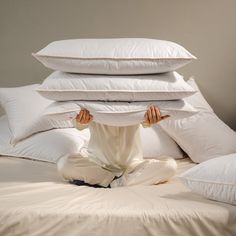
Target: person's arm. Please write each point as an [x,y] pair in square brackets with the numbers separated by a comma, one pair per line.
[82,120]
[153,116]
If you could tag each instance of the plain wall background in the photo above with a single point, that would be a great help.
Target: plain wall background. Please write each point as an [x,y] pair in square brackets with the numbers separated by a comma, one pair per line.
[207,28]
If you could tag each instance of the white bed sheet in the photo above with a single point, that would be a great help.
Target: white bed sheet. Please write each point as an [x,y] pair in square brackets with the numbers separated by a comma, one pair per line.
[33,201]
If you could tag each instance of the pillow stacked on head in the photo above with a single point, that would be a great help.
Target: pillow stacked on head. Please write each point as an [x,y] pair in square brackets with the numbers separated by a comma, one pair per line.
[122,56]
[61,86]
[118,78]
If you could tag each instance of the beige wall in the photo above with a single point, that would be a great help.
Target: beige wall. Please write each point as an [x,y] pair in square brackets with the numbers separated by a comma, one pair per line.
[205,27]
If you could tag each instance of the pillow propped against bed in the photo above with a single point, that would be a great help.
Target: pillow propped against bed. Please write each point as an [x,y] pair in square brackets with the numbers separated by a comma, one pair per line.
[215,179]
[117,113]
[114,56]
[61,86]
[45,146]
[202,136]
[53,144]
[157,143]
[24,108]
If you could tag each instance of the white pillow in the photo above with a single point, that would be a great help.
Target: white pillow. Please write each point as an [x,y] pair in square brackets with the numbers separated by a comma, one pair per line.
[60,86]
[114,56]
[117,113]
[215,179]
[53,144]
[24,108]
[156,143]
[46,146]
[202,136]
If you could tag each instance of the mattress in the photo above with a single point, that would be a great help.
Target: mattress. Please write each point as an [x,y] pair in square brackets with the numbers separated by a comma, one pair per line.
[34,201]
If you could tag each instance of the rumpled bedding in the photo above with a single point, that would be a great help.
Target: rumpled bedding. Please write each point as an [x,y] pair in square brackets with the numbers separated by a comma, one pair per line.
[34,201]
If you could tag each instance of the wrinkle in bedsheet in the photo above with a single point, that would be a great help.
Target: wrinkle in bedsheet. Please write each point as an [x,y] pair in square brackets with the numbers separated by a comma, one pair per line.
[47,206]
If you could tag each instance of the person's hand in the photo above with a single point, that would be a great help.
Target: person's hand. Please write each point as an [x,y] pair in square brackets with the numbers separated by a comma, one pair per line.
[84,117]
[153,116]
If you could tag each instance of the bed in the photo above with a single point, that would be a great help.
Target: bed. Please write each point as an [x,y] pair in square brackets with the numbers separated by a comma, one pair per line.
[34,201]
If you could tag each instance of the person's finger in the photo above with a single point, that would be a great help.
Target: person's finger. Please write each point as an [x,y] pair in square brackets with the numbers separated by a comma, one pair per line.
[146,118]
[154,115]
[90,118]
[158,113]
[165,117]
[79,116]
[87,117]
[149,112]
[83,119]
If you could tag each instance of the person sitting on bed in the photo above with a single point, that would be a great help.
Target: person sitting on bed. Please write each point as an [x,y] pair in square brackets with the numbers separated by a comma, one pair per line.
[113,157]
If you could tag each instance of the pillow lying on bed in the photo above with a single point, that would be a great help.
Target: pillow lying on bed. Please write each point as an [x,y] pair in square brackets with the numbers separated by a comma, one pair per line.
[214,179]
[53,144]
[61,86]
[45,146]
[114,56]
[117,113]
[202,136]
[24,108]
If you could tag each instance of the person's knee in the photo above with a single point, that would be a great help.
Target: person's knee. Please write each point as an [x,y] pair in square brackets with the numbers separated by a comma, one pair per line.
[76,167]
[170,167]
[63,166]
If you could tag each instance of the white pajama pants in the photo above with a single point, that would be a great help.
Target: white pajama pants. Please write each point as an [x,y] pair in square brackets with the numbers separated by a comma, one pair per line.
[115,152]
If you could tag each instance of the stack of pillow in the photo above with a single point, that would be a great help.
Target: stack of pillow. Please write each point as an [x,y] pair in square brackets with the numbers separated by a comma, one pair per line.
[115,79]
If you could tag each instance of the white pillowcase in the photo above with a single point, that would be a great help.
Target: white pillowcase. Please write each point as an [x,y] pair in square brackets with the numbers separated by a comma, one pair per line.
[60,86]
[117,113]
[202,136]
[156,143]
[215,179]
[46,146]
[53,144]
[114,56]
[24,108]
